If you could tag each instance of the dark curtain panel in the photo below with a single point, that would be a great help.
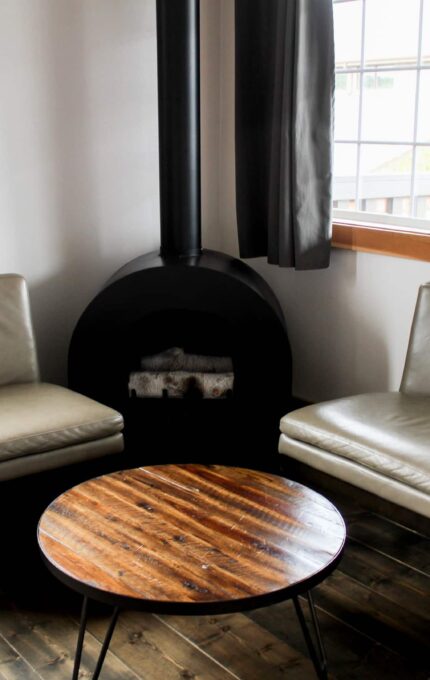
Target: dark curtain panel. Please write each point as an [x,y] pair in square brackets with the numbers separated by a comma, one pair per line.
[284,116]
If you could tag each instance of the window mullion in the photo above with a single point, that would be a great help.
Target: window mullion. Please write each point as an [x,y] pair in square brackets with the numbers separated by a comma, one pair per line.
[382,141]
[416,112]
[360,107]
[382,69]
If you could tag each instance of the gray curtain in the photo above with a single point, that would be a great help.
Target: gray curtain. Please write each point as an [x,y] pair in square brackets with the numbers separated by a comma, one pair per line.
[284,116]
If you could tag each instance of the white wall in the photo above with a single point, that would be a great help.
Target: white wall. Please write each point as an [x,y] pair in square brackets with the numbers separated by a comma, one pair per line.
[349,324]
[78,152]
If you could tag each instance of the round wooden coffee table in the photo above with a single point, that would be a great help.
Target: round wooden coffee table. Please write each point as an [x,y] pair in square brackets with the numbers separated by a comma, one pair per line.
[192,539]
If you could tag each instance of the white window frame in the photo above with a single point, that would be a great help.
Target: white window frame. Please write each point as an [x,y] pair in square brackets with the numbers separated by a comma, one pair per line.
[383,220]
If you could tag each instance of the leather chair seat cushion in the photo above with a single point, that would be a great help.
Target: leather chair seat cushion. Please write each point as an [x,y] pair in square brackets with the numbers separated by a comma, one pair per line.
[388,433]
[39,417]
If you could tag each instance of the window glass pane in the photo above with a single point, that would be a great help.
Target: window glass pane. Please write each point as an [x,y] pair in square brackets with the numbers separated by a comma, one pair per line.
[377,205]
[347,33]
[388,87]
[388,106]
[345,168]
[346,105]
[425,51]
[391,32]
[422,182]
[402,206]
[423,207]
[385,175]
[424,108]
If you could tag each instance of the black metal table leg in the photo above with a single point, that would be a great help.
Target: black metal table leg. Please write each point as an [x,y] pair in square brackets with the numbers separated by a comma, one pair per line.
[80,644]
[106,643]
[81,636]
[317,654]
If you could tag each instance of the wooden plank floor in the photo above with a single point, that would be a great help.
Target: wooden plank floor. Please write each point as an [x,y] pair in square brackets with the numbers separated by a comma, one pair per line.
[374,612]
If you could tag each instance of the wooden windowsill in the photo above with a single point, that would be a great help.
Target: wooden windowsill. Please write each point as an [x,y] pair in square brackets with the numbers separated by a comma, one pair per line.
[386,240]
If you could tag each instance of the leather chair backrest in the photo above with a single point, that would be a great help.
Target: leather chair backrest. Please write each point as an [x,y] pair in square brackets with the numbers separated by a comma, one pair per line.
[18,357]
[416,373]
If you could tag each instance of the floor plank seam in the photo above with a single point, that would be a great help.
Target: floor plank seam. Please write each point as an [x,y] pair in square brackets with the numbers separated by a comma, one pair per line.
[21,657]
[376,592]
[360,632]
[403,526]
[389,557]
[200,649]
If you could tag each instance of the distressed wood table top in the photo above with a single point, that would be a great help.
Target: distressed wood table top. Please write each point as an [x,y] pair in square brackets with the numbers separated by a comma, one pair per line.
[191,538]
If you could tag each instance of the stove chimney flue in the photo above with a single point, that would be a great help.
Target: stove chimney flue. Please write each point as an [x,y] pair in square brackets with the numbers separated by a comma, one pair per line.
[178,49]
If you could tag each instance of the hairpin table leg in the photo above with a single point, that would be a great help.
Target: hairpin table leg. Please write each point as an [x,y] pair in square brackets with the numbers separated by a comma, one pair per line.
[81,636]
[80,644]
[317,654]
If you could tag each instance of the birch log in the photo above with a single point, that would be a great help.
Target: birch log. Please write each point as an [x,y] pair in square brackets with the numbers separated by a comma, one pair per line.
[175,359]
[180,384]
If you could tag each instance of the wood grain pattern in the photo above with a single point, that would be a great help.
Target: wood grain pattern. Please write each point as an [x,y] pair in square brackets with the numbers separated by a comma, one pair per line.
[353,653]
[388,240]
[39,618]
[153,650]
[13,666]
[184,535]
[258,654]
[47,642]
[398,629]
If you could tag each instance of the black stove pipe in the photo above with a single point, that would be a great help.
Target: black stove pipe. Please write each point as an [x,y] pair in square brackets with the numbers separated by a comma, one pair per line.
[178,51]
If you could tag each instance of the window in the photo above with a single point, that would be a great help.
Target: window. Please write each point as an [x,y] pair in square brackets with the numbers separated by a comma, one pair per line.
[382,112]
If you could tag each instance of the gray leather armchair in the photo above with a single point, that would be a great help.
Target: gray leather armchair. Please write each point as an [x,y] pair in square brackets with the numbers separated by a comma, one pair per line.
[42,426]
[379,442]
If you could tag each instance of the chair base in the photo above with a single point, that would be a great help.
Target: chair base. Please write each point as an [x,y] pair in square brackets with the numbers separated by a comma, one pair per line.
[40,462]
[333,488]
[357,475]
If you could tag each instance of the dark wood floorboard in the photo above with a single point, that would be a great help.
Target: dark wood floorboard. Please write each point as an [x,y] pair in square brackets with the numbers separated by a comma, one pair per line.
[12,664]
[374,613]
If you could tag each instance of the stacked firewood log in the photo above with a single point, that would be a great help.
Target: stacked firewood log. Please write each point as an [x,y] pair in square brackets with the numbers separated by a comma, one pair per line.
[176,374]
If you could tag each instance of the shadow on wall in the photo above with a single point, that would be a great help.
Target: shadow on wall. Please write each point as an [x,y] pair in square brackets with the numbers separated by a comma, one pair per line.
[337,346]
[96,70]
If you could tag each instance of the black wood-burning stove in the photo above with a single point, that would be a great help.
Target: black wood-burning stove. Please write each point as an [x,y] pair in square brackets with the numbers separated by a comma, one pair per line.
[201,301]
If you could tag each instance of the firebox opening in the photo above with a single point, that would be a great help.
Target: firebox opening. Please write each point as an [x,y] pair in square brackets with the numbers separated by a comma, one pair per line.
[197,364]
[179,380]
